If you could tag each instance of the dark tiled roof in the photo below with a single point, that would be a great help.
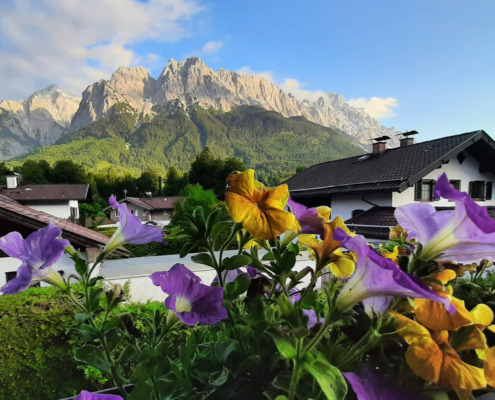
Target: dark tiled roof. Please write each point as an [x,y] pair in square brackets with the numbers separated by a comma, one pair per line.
[391,170]
[383,216]
[153,203]
[31,218]
[26,193]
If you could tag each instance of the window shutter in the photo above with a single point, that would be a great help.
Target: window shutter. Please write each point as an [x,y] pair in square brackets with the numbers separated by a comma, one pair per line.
[488,190]
[471,189]
[417,191]
[433,184]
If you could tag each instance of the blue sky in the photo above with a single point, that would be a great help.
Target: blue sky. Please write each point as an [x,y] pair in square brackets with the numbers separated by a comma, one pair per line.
[414,64]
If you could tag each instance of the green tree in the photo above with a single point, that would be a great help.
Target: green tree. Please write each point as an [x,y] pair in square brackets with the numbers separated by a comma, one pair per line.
[174,183]
[195,196]
[35,172]
[67,171]
[3,170]
[211,172]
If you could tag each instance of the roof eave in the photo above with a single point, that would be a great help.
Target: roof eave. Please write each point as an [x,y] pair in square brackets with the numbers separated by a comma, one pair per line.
[443,160]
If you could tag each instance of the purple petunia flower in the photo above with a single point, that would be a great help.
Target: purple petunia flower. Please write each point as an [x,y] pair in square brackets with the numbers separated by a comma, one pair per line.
[38,252]
[84,395]
[368,385]
[131,230]
[191,300]
[309,219]
[376,279]
[466,234]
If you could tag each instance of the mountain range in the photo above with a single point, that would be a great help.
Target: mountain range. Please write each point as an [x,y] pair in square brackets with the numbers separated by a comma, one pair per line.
[52,115]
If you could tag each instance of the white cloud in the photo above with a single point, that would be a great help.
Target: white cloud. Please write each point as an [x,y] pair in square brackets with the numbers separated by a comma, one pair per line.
[73,43]
[293,86]
[376,107]
[268,75]
[212,47]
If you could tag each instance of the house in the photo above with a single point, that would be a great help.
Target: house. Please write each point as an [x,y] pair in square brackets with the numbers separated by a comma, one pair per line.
[59,200]
[365,190]
[25,220]
[157,209]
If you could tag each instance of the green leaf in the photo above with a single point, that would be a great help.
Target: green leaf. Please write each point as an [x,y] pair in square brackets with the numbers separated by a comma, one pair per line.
[238,286]
[184,251]
[235,262]
[218,228]
[282,342]
[203,258]
[330,379]
[93,356]
[287,261]
[81,266]
[218,378]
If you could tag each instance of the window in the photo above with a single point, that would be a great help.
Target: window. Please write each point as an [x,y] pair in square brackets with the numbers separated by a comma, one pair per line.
[10,275]
[423,191]
[136,212]
[456,184]
[74,213]
[480,190]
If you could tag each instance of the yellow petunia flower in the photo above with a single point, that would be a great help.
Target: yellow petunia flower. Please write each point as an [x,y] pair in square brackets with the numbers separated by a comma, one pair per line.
[258,208]
[434,317]
[326,251]
[432,358]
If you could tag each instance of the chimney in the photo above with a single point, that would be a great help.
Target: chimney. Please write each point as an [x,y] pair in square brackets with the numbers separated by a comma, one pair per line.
[378,147]
[407,138]
[13,179]
[380,144]
[407,141]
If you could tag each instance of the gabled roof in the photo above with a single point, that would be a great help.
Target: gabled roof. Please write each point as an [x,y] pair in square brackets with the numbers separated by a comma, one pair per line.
[151,203]
[19,214]
[65,192]
[391,170]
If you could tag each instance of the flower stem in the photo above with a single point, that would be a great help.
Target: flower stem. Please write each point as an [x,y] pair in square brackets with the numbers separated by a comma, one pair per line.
[296,372]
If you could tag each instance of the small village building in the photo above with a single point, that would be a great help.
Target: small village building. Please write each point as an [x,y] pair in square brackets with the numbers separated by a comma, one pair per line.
[365,190]
[157,209]
[60,200]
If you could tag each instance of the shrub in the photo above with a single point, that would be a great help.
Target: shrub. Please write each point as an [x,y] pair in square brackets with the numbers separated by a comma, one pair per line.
[34,351]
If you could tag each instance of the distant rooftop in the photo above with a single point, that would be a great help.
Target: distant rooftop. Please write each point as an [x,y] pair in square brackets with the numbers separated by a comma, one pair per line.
[62,192]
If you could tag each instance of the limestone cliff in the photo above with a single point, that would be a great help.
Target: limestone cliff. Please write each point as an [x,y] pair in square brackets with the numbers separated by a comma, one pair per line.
[37,121]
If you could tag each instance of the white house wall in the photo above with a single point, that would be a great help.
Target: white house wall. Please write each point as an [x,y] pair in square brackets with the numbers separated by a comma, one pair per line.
[344,205]
[9,264]
[465,172]
[58,210]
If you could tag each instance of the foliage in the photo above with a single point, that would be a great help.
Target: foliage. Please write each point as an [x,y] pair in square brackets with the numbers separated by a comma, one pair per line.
[195,196]
[261,139]
[35,353]
[261,330]
[211,172]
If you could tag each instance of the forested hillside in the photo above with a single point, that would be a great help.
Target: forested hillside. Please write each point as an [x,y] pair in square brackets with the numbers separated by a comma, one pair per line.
[264,140]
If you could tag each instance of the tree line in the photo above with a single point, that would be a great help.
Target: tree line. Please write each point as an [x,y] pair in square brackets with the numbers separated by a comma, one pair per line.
[206,170]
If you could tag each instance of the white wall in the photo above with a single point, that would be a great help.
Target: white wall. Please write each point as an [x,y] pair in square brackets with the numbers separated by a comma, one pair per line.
[136,271]
[8,264]
[343,205]
[465,172]
[59,210]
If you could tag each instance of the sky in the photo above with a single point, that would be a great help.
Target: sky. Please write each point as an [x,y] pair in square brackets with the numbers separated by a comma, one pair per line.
[425,65]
